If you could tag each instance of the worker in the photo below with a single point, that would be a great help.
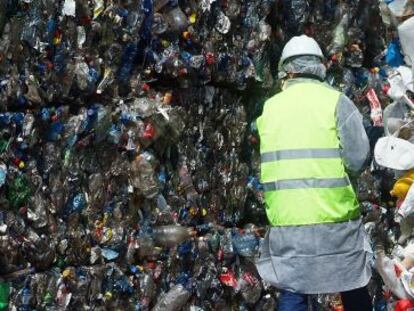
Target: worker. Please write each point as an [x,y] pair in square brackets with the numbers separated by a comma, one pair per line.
[312,140]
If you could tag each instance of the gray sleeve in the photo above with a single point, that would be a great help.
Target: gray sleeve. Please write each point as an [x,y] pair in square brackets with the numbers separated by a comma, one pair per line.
[354,142]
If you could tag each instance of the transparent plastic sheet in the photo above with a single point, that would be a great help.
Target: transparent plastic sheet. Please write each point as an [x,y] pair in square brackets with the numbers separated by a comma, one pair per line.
[400,8]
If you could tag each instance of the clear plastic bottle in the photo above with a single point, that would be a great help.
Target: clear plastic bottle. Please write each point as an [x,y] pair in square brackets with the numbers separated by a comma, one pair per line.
[143,175]
[177,19]
[339,37]
[171,235]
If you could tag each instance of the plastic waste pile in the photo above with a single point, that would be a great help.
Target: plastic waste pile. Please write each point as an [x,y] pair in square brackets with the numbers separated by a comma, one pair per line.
[128,154]
[124,177]
[392,226]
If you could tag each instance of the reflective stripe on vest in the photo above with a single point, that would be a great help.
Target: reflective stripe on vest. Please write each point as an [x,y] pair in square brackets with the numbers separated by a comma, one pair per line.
[302,172]
[300,154]
[306,183]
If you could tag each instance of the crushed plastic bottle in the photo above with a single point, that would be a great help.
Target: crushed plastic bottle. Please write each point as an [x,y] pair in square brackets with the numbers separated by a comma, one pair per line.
[173,300]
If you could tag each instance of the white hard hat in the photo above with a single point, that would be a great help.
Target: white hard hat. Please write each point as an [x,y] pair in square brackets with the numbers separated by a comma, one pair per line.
[394,153]
[300,46]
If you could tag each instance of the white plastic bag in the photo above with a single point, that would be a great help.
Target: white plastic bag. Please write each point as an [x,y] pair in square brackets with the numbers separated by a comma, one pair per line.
[394,153]
[388,269]
[69,8]
[406,34]
[407,77]
[407,207]
[407,278]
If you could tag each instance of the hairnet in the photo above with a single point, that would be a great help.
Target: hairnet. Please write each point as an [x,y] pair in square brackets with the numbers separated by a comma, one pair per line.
[307,64]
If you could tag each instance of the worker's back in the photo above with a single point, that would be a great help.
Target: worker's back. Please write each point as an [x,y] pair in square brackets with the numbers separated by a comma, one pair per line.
[310,136]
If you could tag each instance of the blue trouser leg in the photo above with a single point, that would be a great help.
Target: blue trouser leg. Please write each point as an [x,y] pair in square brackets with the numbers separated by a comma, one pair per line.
[354,300]
[289,301]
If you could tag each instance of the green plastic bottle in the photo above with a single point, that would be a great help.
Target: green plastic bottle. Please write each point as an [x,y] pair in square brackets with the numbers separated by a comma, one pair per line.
[4,295]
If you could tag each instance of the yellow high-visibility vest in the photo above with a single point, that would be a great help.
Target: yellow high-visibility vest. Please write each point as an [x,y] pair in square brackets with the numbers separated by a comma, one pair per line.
[302,172]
